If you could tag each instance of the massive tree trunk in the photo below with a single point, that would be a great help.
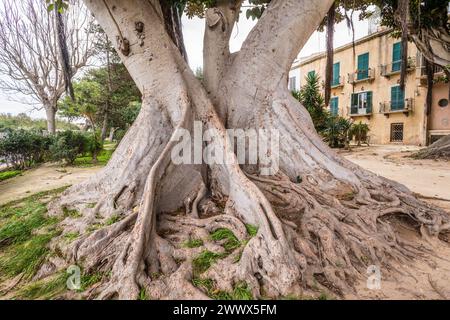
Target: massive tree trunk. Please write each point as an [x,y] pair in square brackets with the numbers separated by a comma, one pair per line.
[321,219]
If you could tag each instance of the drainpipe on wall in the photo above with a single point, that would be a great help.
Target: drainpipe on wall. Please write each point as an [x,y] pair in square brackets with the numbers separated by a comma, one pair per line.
[428,99]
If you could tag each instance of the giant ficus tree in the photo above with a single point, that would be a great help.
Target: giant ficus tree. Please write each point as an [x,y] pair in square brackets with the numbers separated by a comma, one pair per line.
[321,219]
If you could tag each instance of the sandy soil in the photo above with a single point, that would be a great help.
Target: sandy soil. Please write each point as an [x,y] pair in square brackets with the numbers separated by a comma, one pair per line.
[428,277]
[430,179]
[45,177]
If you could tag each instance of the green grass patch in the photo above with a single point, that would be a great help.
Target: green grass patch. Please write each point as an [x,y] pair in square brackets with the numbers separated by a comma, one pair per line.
[251,230]
[193,243]
[230,240]
[240,290]
[87,161]
[71,213]
[26,257]
[113,219]
[24,205]
[94,227]
[70,236]
[204,260]
[20,226]
[143,295]
[88,280]
[9,174]
[25,231]
[44,289]
[49,289]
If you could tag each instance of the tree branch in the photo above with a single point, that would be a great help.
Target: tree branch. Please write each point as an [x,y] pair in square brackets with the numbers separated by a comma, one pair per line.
[275,41]
[219,22]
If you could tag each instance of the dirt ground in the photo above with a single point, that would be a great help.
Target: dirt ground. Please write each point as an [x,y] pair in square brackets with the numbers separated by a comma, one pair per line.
[426,278]
[429,179]
[43,178]
[429,276]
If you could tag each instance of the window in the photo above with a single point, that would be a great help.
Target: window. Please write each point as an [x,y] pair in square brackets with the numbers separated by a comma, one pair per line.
[397,98]
[396,132]
[311,73]
[363,66]
[397,57]
[293,83]
[443,103]
[361,103]
[334,106]
[336,74]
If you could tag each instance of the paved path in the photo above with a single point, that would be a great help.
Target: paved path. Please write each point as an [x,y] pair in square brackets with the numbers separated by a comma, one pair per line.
[43,178]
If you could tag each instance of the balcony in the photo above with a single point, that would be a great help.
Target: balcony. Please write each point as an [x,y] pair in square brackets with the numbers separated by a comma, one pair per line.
[389,107]
[358,111]
[390,69]
[337,83]
[361,75]
[438,73]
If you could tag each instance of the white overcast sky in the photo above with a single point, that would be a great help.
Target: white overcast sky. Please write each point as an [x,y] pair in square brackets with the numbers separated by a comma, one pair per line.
[193,37]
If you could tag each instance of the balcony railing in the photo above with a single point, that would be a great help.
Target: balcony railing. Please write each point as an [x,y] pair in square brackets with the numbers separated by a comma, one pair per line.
[338,82]
[361,75]
[335,83]
[436,70]
[405,107]
[356,111]
[390,69]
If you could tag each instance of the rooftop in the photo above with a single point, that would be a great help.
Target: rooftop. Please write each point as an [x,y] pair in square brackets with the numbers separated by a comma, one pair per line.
[319,55]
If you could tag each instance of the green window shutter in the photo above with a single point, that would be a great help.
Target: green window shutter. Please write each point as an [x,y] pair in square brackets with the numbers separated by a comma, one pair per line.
[397,98]
[336,73]
[354,104]
[397,56]
[311,73]
[334,106]
[363,66]
[369,102]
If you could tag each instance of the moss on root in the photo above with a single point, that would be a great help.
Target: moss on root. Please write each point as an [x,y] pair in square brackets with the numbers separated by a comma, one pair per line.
[230,241]
[204,260]
[240,290]
[193,243]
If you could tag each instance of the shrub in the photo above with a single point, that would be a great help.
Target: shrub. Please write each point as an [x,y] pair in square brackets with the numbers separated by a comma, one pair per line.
[359,132]
[336,131]
[309,95]
[21,148]
[67,145]
[119,134]
[93,145]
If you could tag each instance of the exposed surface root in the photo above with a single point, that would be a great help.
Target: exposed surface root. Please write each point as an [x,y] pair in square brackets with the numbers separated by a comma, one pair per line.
[338,241]
[438,150]
[331,241]
[315,227]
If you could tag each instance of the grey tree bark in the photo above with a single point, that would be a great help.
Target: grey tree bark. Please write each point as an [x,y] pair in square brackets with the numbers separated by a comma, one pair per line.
[50,112]
[321,219]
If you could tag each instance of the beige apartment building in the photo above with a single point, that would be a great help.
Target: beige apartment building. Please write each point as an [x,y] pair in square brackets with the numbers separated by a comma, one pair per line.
[365,87]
